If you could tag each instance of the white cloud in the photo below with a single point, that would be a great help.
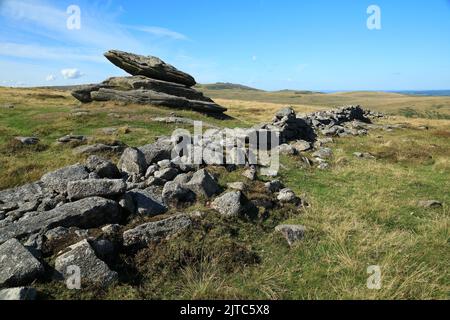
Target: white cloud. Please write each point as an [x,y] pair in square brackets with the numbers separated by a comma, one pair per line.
[254,58]
[50,77]
[71,73]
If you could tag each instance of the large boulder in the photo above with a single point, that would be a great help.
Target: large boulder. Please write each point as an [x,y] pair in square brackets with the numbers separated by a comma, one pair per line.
[155,152]
[149,66]
[132,162]
[83,93]
[153,232]
[86,213]
[95,187]
[143,96]
[57,180]
[27,192]
[92,269]
[140,82]
[17,265]
[203,184]
[175,193]
[229,204]
[102,167]
[145,203]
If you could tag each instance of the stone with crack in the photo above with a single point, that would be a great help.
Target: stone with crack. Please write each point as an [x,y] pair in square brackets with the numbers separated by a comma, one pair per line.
[154,232]
[92,270]
[17,265]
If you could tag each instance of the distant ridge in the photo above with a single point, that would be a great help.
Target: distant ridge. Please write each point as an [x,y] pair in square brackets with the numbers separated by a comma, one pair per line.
[226,86]
[298,91]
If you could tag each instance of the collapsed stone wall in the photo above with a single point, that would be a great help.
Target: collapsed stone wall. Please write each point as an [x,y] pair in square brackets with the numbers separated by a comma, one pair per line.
[147,181]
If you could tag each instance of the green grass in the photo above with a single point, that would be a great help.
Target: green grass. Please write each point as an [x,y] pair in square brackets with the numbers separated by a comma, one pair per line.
[362,212]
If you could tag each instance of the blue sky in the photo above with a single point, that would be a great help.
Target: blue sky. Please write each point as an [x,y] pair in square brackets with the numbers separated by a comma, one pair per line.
[311,45]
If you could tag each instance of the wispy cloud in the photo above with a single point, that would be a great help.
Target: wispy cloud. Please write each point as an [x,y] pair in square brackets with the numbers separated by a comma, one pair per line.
[159,32]
[50,77]
[99,30]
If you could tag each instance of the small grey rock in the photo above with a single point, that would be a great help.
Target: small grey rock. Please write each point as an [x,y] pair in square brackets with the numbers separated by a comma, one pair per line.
[228,204]
[286,196]
[323,153]
[301,145]
[103,167]
[151,170]
[292,233]
[167,174]
[287,149]
[430,204]
[28,140]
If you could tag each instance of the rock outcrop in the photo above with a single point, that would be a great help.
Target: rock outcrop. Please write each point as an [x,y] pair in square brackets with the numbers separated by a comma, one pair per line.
[152,82]
[151,67]
[85,213]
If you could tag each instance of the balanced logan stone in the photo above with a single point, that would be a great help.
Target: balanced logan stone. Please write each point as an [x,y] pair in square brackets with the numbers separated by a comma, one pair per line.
[152,82]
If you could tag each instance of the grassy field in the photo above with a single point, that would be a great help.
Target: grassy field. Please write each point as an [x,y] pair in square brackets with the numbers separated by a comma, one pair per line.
[391,103]
[363,212]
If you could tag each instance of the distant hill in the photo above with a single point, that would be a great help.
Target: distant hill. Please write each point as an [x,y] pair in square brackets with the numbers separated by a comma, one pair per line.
[226,86]
[298,91]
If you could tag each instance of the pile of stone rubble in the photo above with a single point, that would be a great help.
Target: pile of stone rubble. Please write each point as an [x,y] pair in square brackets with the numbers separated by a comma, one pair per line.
[147,181]
[152,82]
